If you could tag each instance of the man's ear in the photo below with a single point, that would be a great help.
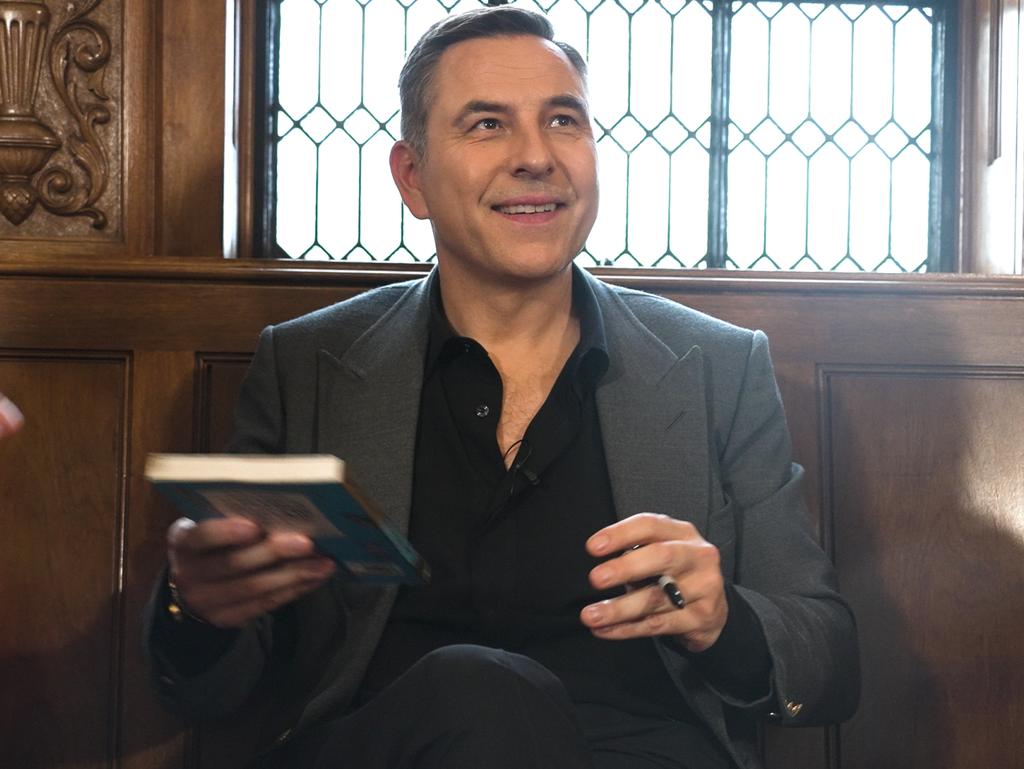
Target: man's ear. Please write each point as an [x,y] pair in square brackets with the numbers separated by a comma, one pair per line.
[405,170]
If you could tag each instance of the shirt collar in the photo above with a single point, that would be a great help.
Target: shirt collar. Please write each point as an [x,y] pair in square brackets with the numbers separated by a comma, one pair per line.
[588,361]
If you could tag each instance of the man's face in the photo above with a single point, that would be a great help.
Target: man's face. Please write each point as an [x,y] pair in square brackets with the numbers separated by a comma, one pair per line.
[508,178]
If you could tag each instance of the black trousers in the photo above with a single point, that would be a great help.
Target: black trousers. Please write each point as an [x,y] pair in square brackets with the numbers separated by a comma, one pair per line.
[473,707]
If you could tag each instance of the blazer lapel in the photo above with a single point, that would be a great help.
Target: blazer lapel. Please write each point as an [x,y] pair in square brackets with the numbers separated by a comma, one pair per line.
[653,414]
[369,400]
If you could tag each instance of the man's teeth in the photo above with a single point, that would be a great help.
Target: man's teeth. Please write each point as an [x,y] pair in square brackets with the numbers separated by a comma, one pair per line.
[528,209]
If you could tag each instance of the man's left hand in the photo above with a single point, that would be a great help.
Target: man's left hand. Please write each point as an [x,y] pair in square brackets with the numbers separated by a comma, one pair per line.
[647,546]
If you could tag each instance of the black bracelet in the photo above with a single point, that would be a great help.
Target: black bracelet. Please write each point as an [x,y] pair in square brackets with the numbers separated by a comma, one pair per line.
[176,607]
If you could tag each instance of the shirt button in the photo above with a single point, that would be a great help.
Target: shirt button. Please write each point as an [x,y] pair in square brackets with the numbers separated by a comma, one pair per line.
[483,410]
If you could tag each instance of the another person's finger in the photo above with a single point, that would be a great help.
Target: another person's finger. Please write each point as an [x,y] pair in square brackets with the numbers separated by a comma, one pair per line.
[11,418]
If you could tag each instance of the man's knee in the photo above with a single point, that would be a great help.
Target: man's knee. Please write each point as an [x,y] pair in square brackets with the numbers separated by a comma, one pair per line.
[473,674]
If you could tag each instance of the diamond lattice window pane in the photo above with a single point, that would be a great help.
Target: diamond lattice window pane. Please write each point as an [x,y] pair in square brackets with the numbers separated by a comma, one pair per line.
[869,206]
[318,124]
[872,73]
[338,201]
[342,56]
[381,205]
[828,205]
[748,76]
[316,254]
[746,204]
[299,68]
[691,61]
[892,139]
[924,141]
[608,238]
[670,133]
[851,138]
[417,236]
[688,217]
[296,193]
[628,133]
[360,125]
[913,87]
[609,65]
[767,137]
[786,215]
[384,58]
[808,137]
[650,96]
[570,22]
[648,200]
[910,173]
[790,67]
[831,68]
[825,103]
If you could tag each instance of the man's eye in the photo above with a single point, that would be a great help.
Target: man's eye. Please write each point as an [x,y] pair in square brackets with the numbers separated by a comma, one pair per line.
[564,121]
[488,124]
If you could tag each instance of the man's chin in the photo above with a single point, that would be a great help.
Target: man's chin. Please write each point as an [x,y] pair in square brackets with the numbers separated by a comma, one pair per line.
[513,267]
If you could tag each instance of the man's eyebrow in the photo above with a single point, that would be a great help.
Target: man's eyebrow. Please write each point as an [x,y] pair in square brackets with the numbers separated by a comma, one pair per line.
[479,105]
[565,101]
[568,101]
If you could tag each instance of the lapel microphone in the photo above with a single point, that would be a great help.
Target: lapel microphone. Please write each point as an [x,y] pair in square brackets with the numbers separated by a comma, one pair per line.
[519,466]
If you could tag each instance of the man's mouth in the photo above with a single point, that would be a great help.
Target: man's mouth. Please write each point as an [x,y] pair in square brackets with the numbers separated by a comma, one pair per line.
[542,208]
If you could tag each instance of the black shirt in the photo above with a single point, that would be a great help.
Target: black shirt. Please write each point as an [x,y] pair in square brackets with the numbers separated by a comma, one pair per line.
[506,547]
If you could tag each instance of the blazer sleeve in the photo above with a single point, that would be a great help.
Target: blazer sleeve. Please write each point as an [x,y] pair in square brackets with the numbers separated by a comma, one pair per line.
[780,569]
[227,682]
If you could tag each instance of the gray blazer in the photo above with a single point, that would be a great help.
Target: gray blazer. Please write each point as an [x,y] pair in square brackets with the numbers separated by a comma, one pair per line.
[692,425]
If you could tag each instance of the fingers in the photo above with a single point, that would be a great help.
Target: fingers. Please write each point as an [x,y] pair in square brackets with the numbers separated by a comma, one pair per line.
[654,545]
[639,613]
[643,548]
[228,571]
[639,529]
[220,549]
[11,418]
[241,614]
[185,535]
[237,601]
[649,611]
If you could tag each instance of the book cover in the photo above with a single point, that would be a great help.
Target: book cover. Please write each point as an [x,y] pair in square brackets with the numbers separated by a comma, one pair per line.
[309,494]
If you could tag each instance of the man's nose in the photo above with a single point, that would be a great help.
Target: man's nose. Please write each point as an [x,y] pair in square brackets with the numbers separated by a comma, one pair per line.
[533,156]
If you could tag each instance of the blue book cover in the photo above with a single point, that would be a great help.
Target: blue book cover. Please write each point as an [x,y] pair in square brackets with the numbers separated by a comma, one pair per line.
[308,494]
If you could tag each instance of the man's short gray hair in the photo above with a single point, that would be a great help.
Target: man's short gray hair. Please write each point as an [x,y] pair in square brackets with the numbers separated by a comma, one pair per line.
[418,73]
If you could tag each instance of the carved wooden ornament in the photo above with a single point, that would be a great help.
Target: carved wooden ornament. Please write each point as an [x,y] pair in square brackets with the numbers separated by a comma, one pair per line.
[80,49]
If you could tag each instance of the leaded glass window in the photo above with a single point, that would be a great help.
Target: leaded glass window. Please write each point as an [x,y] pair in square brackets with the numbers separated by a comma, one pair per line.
[737,134]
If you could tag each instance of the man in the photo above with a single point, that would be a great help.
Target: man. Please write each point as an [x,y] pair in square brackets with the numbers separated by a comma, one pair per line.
[553,446]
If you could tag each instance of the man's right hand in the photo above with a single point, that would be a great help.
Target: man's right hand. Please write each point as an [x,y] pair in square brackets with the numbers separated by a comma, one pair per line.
[229,571]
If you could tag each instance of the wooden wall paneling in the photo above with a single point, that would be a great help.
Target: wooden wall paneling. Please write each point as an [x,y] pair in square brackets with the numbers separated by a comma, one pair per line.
[805,748]
[120,170]
[218,383]
[62,507]
[162,408]
[926,497]
[904,369]
[191,171]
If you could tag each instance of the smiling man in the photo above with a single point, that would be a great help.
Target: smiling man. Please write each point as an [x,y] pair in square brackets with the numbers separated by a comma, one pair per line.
[624,577]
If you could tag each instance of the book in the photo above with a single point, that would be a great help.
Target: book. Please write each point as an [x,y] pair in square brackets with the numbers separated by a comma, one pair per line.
[307,493]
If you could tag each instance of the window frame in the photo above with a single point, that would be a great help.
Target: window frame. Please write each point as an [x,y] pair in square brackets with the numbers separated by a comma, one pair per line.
[965,72]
